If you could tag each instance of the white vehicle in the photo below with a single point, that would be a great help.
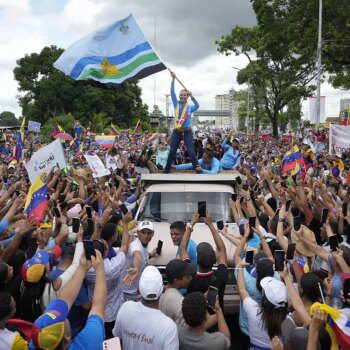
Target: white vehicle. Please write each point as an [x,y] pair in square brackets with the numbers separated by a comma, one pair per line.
[175,197]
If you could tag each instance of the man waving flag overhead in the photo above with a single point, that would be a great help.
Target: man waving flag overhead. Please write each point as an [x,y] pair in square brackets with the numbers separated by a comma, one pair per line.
[113,54]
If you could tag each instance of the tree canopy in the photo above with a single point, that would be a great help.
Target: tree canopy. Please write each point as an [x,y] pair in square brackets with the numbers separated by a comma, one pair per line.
[8,119]
[46,92]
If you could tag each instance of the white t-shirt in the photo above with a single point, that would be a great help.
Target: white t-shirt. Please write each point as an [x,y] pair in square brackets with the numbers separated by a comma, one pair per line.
[170,303]
[258,335]
[11,340]
[136,245]
[142,327]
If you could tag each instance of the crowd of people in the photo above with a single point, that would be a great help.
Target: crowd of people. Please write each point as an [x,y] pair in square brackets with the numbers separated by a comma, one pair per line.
[80,276]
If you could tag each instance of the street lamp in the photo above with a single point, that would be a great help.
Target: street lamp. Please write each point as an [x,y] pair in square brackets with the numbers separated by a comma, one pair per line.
[319,57]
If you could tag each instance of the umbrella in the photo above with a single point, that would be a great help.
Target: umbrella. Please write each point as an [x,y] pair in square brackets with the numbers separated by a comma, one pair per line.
[63,136]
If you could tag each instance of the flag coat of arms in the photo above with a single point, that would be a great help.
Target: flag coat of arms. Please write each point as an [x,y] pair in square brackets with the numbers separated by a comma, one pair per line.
[113,54]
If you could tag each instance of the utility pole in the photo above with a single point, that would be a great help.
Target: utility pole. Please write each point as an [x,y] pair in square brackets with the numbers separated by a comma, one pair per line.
[248,109]
[319,58]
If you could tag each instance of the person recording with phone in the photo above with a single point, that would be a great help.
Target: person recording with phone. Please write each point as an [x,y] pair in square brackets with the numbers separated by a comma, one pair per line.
[182,129]
[206,258]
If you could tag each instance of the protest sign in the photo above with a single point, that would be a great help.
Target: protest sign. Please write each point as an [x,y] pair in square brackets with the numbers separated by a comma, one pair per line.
[34,126]
[339,137]
[96,165]
[45,159]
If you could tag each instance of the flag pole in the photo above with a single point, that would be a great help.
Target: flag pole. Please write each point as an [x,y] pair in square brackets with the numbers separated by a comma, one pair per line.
[177,79]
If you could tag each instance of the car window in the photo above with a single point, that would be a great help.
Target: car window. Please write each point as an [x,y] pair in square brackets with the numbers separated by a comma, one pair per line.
[173,206]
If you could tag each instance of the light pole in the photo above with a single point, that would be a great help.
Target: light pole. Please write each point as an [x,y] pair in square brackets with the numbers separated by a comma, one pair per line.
[319,58]
[248,108]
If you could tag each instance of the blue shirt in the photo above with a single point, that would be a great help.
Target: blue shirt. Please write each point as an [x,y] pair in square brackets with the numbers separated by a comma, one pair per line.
[4,150]
[212,168]
[191,250]
[231,158]
[91,337]
[190,108]
[4,224]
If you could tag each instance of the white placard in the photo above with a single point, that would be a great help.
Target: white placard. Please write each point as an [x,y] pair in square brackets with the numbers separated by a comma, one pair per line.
[96,165]
[339,136]
[34,126]
[45,159]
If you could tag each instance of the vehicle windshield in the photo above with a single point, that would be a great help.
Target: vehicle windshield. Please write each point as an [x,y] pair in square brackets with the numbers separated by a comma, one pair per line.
[174,206]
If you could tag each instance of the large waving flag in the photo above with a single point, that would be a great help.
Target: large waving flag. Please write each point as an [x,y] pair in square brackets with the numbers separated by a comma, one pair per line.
[152,138]
[37,198]
[293,161]
[20,142]
[113,54]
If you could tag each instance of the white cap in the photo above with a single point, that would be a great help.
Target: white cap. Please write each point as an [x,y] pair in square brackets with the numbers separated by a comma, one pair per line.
[145,224]
[72,236]
[275,291]
[306,142]
[339,155]
[200,134]
[151,283]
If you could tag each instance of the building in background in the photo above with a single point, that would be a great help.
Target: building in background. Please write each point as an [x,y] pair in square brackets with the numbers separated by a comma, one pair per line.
[344,104]
[228,102]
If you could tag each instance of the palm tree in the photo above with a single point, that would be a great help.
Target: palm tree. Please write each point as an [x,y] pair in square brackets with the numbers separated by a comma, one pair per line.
[100,123]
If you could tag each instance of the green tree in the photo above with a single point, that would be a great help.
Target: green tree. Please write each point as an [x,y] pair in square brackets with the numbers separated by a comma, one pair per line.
[279,67]
[100,123]
[46,92]
[66,121]
[8,119]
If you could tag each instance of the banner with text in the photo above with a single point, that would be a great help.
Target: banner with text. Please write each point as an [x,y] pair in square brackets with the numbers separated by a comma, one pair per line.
[34,126]
[45,159]
[96,165]
[339,137]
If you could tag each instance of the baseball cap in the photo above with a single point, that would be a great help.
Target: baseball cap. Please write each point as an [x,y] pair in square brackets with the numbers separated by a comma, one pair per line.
[48,329]
[275,291]
[205,254]
[200,134]
[33,269]
[151,283]
[177,268]
[236,139]
[145,224]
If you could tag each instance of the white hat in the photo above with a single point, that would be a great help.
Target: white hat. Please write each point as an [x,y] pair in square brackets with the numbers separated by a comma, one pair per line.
[275,291]
[72,236]
[145,224]
[151,283]
[200,134]
[306,142]
[339,155]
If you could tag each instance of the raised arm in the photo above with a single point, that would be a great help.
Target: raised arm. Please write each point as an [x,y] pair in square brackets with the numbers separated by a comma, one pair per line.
[220,246]
[99,300]
[186,238]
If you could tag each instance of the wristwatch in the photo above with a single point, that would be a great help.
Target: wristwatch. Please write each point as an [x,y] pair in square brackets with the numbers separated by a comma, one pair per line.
[190,227]
[99,226]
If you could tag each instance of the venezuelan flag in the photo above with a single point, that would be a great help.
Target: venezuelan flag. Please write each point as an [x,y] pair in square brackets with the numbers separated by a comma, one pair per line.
[114,130]
[37,198]
[337,326]
[338,167]
[106,141]
[293,161]
[56,130]
[20,142]
[345,120]
[152,138]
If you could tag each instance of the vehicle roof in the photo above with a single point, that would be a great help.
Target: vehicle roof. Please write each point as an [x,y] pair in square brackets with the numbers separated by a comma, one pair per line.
[190,187]
[190,177]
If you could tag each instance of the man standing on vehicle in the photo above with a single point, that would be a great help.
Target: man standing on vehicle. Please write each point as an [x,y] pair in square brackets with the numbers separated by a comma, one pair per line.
[177,231]
[182,128]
